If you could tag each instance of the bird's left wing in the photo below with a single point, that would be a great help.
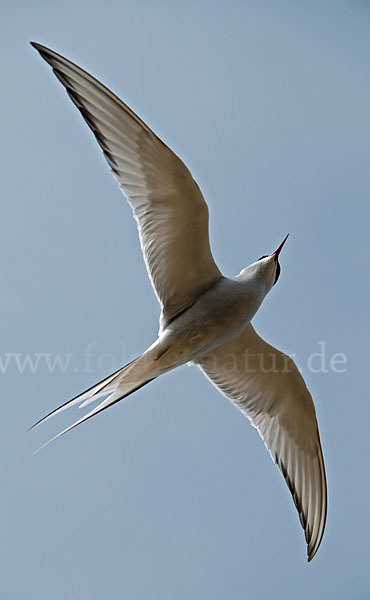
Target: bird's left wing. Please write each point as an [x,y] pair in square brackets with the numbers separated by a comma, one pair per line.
[267,387]
[170,211]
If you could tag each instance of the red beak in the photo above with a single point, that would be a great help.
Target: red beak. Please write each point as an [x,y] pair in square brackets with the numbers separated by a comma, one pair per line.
[279,249]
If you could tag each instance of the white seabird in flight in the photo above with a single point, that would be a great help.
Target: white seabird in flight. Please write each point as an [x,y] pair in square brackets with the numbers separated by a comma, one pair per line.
[206,317]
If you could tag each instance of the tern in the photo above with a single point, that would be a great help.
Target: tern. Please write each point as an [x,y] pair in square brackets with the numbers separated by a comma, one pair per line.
[206,317]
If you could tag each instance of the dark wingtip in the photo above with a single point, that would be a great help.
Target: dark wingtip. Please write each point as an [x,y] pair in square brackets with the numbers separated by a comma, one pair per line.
[43,50]
[311,554]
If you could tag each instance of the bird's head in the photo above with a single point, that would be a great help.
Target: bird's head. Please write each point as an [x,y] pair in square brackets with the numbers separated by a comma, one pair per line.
[266,268]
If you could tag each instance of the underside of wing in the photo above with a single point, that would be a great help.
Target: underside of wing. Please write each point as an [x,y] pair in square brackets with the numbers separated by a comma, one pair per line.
[267,387]
[170,211]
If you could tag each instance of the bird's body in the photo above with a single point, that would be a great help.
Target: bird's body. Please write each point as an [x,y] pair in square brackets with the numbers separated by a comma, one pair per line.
[206,317]
[214,318]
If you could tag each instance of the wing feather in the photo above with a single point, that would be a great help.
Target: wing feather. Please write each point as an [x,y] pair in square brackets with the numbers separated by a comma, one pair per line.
[169,209]
[267,387]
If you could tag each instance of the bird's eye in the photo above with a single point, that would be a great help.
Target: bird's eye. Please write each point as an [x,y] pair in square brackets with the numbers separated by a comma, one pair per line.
[262,257]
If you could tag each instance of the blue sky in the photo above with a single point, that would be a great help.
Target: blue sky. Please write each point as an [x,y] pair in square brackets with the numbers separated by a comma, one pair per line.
[171,494]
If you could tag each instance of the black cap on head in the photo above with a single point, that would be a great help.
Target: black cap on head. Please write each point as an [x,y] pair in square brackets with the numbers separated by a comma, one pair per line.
[277,274]
[276,256]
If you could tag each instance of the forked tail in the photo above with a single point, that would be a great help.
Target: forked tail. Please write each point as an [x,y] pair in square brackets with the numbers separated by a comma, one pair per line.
[112,389]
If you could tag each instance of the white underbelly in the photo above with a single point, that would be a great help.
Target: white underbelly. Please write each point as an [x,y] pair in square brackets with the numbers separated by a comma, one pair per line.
[208,323]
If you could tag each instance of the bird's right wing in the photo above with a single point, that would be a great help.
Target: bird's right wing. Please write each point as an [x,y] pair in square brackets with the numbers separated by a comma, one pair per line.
[170,211]
[267,387]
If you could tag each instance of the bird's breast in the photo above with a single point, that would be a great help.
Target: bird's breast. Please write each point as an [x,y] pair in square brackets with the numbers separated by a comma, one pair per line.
[215,317]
